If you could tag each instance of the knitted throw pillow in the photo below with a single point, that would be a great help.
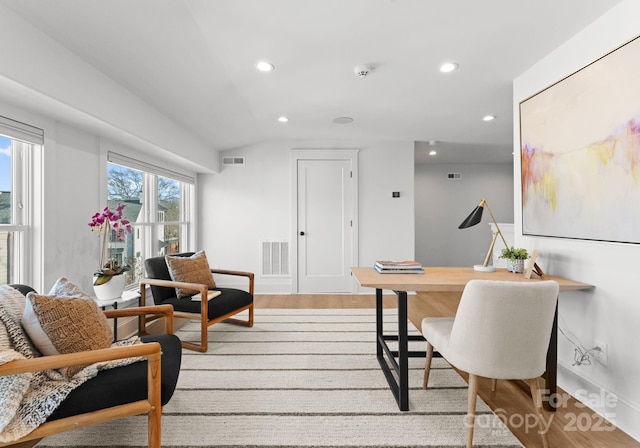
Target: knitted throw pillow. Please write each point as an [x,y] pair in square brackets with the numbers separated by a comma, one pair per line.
[193,269]
[59,324]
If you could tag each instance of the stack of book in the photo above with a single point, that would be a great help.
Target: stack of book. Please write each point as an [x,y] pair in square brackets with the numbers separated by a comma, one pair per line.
[398,267]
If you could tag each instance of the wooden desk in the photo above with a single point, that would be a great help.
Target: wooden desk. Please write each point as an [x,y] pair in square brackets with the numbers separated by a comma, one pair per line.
[447,279]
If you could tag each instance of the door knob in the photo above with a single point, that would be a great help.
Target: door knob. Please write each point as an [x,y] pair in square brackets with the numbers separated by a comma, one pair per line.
[301,233]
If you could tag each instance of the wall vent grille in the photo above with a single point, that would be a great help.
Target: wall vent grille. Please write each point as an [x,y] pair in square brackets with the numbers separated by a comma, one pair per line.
[275,258]
[235,161]
[454,176]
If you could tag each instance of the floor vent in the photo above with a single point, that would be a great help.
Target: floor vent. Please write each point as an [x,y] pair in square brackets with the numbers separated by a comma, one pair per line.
[275,258]
[454,176]
[235,161]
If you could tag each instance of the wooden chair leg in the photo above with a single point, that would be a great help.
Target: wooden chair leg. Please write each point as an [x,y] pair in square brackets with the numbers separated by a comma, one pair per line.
[250,323]
[204,334]
[154,418]
[427,366]
[204,339]
[245,323]
[534,385]
[192,346]
[471,408]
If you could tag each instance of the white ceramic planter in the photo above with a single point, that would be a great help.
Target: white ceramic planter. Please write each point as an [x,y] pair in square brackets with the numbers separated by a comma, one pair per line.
[112,289]
[515,265]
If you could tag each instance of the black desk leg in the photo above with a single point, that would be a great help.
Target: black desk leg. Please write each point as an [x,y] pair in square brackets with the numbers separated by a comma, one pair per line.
[403,352]
[399,384]
[379,326]
[551,374]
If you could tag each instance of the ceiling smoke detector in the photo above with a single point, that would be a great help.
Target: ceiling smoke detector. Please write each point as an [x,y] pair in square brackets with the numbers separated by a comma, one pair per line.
[362,70]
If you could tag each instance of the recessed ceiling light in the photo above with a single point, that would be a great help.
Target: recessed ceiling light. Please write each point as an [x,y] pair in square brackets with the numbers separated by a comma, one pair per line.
[489,118]
[448,67]
[265,66]
[343,120]
[433,152]
[283,119]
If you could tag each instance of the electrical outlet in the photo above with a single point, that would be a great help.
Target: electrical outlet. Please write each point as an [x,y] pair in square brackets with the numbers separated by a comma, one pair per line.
[600,355]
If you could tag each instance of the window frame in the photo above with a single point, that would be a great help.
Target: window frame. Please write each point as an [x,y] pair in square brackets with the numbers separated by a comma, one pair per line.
[26,150]
[150,225]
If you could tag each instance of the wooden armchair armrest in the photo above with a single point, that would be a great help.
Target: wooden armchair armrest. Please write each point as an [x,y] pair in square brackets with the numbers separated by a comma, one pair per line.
[156,311]
[171,284]
[249,275]
[231,272]
[148,351]
[202,288]
[151,406]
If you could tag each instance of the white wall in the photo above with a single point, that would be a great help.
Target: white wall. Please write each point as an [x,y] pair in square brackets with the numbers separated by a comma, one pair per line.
[70,182]
[71,196]
[610,313]
[242,206]
[442,204]
[38,71]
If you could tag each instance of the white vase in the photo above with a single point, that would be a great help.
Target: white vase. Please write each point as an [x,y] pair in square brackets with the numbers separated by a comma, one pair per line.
[515,265]
[112,289]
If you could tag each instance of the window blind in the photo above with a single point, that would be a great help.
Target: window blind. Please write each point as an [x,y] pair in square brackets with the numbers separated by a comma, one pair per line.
[119,159]
[21,131]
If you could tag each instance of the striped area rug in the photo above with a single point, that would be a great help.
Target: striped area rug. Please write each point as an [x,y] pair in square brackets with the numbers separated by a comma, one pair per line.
[301,378]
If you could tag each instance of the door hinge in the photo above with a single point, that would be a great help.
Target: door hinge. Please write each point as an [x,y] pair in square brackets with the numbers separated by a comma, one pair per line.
[351,174]
[351,223]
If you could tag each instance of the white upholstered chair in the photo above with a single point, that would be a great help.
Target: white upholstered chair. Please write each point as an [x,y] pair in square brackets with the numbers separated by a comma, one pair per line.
[501,331]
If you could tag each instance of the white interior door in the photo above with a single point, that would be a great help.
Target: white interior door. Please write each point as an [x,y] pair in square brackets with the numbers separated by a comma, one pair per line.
[324,226]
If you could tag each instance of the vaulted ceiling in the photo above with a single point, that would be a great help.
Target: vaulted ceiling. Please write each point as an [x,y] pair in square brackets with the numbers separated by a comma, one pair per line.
[194,61]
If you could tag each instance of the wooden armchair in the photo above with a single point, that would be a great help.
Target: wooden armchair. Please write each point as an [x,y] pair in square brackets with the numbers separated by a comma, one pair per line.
[230,302]
[143,387]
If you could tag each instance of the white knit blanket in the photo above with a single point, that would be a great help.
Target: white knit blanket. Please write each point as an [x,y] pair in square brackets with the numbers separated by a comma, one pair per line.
[28,399]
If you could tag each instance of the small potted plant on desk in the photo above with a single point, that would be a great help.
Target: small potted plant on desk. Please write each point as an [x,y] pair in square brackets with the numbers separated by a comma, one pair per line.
[515,258]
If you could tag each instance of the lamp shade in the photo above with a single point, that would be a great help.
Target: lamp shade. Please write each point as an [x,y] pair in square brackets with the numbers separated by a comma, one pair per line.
[474,218]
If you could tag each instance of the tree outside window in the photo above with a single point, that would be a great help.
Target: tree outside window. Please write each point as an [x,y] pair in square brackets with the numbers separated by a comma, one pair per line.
[163,232]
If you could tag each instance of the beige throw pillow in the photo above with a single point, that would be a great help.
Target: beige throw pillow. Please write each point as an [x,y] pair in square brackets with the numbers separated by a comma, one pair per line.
[13,302]
[63,287]
[193,269]
[59,324]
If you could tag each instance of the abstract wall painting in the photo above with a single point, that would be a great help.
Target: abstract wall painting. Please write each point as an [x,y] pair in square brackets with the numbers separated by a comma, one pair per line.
[580,152]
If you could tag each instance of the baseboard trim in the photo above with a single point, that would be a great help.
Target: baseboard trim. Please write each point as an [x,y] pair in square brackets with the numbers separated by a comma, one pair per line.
[624,414]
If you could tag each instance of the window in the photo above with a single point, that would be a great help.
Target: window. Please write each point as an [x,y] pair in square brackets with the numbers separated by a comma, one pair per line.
[17,146]
[6,211]
[158,205]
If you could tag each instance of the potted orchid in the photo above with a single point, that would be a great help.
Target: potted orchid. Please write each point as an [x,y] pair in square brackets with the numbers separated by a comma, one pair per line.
[110,226]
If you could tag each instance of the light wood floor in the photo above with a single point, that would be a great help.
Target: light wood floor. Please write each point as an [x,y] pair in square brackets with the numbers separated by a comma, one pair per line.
[509,400]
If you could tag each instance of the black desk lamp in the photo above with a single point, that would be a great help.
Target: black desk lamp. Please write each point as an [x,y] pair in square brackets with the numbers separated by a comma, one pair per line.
[474,218]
